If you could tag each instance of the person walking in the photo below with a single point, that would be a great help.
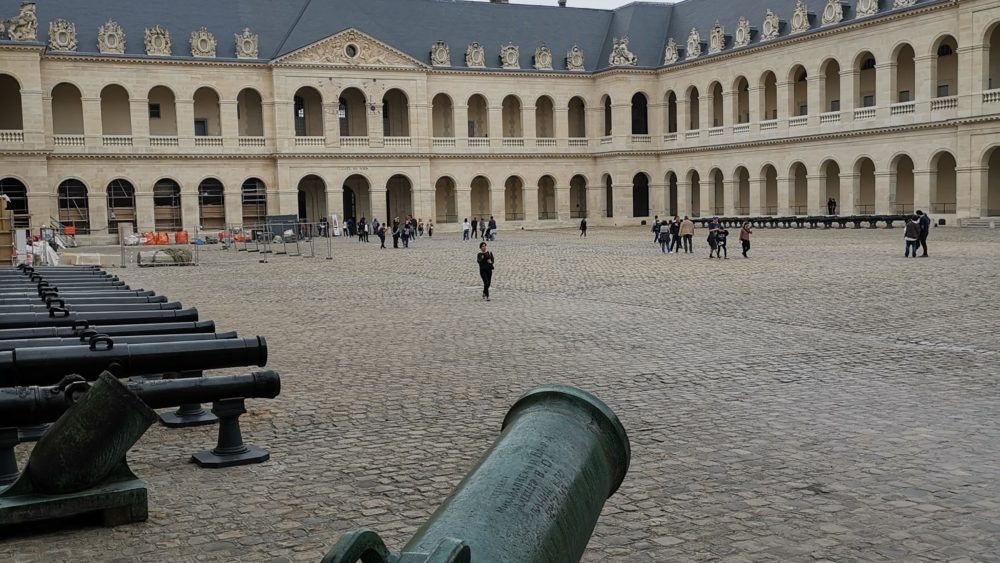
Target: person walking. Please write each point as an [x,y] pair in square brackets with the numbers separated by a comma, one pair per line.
[924,222]
[396,232]
[362,226]
[675,236]
[465,228]
[430,229]
[656,229]
[381,236]
[583,227]
[420,227]
[713,236]
[745,232]
[722,250]
[485,260]
[687,234]
[482,228]
[475,227]
[407,234]
[911,237]
[831,206]
[663,233]
[492,229]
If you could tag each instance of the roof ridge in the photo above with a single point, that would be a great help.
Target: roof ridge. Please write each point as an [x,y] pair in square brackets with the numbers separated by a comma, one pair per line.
[291,28]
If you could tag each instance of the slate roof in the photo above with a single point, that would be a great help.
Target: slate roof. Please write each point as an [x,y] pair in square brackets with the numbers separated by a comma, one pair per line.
[412,26]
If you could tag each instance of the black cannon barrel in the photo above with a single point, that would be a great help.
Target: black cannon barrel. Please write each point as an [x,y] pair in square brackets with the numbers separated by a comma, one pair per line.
[64,273]
[35,278]
[7,345]
[110,292]
[87,307]
[38,405]
[83,327]
[117,300]
[46,365]
[64,283]
[62,317]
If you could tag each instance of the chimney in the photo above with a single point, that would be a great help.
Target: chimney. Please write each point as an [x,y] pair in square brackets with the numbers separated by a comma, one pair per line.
[499,2]
[562,3]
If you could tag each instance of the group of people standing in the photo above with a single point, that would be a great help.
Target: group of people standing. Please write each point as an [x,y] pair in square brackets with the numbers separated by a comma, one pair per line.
[479,228]
[915,234]
[674,234]
[406,230]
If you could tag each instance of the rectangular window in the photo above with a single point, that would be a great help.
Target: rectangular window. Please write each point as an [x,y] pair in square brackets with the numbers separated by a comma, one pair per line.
[154,111]
[942,90]
[803,110]
[200,127]
[835,105]
[904,96]
[868,101]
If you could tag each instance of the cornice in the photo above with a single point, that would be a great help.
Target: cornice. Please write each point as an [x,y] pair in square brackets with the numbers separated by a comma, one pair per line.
[838,135]
[21,46]
[119,59]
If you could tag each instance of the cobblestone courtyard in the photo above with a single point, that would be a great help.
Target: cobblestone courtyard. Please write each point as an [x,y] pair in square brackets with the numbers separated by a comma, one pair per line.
[826,400]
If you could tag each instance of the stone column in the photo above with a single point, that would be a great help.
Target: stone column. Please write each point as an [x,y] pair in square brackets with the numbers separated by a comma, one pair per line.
[376,129]
[564,209]
[885,199]
[656,116]
[139,115]
[230,123]
[144,217]
[684,197]
[683,120]
[32,112]
[463,202]
[185,123]
[233,201]
[814,90]
[756,195]
[785,187]
[335,201]
[705,188]
[971,190]
[190,211]
[850,192]
[269,123]
[621,124]
[530,205]
[495,117]
[561,117]
[461,124]
[814,204]
[622,202]
[92,126]
[528,129]
[97,210]
[729,108]
[848,93]
[498,206]
[705,119]
[969,82]
[732,195]
[924,85]
[885,84]
[923,189]
[755,95]
[785,90]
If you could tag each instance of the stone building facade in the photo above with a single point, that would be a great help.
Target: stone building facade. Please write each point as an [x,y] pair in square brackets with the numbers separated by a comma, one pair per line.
[885,106]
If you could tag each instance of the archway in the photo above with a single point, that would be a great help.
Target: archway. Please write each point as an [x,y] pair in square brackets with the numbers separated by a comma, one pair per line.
[445,205]
[904,75]
[211,205]
[718,110]
[640,195]
[250,113]
[207,120]
[578,197]
[395,114]
[769,101]
[481,204]
[121,204]
[830,185]
[308,108]
[10,100]
[544,118]
[865,84]
[253,197]
[312,199]
[799,193]
[352,113]
[741,108]
[18,206]
[864,170]
[943,183]
[717,193]
[694,110]
[769,177]
[831,85]
[671,98]
[479,117]
[577,118]
[116,118]
[166,206]
[513,199]
[672,194]
[694,183]
[608,121]
[67,110]
[944,67]
[993,183]
[640,114]
[357,198]
[992,62]
[399,196]
[902,184]
[162,112]
[442,116]
[609,196]
[547,198]
[742,191]
[74,208]
[799,104]
[511,114]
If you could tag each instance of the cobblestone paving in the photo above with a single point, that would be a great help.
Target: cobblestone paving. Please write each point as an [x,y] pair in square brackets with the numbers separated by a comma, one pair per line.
[825,400]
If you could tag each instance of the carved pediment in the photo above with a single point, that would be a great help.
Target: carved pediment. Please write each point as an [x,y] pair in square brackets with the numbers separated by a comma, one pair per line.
[351,48]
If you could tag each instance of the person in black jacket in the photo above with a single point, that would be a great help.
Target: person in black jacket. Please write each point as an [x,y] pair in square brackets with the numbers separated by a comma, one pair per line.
[485,260]
[924,223]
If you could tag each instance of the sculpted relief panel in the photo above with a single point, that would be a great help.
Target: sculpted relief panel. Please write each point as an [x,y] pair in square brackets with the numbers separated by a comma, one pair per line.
[352,48]
[24,26]
[574,59]
[620,55]
[246,44]
[157,41]
[111,38]
[62,36]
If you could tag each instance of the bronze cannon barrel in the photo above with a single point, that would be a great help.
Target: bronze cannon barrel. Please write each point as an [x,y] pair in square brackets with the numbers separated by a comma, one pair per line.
[20,406]
[46,365]
[83,328]
[534,497]
[7,345]
[63,317]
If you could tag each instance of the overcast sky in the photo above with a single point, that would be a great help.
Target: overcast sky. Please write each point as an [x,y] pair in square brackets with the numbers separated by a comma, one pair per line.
[579,3]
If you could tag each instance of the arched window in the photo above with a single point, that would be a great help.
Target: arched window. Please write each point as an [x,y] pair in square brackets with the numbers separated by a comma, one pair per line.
[640,117]
[544,118]
[512,117]
[741,109]
[10,100]
[640,195]
[211,205]
[945,68]
[769,101]
[18,206]
[800,91]
[167,206]
[353,114]
[116,117]
[577,118]
[547,198]
[250,113]
[608,122]
[207,114]
[395,114]
[443,116]
[831,85]
[717,108]
[578,197]
[864,91]
[671,112]
[121,204]
[479,118]
[992,62]
[445,204]
[67,110]
[74,208]
[513,199]
[308,108]
[254,201]
[694,110]
[162,113]
[904,75]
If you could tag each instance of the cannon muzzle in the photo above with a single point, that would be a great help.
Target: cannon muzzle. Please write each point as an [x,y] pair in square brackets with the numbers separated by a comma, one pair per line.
[535,495]
[47,365]
[23,406]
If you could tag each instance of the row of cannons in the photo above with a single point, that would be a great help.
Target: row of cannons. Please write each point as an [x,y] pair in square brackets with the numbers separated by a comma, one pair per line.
[812,221]
[70,336]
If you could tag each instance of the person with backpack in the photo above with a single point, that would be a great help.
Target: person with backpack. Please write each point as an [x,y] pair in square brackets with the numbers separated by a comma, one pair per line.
[713,236]
[687,234]
[397,231]
[492,229]
[485,260]
[924,222]
[656,229]
[675,234]
[720,240]
[407,233]
[465,229]
[745,238]
[911,237]
[381,236]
